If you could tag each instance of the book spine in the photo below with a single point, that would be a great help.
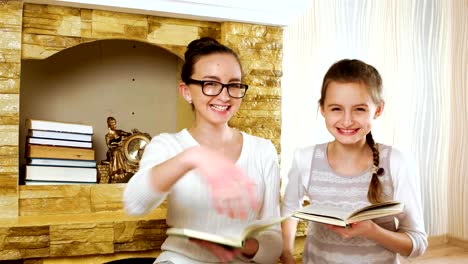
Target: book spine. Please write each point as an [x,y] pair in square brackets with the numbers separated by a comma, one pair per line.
[57,142]
[58,126]
[44,151]
[64,174]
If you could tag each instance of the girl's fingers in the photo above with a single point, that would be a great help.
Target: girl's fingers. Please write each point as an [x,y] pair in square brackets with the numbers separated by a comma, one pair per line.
[222,253]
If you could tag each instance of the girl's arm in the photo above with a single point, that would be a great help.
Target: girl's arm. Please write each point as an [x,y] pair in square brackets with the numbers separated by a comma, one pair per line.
[266,246]
[394,241]
[407,190]
[162,165]
[141,195]
[293,197]
[289,228]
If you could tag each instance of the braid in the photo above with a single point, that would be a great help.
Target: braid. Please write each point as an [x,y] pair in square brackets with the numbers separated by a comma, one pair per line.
[374,195]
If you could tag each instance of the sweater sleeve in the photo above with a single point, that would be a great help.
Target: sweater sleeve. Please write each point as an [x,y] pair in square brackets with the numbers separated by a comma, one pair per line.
[139,196]
[407,190]
[270,240]
[298,177]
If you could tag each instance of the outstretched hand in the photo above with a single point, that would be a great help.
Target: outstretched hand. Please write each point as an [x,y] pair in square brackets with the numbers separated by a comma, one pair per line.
[232,192]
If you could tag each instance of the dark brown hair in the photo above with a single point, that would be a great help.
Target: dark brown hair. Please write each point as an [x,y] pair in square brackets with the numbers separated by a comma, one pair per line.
[199,48]
[357,71]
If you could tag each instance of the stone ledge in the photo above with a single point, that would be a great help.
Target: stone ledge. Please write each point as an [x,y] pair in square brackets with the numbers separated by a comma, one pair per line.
[28,237]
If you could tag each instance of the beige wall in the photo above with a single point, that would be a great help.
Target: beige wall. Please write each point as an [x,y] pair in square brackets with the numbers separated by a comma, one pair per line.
[132,81]
[457,202]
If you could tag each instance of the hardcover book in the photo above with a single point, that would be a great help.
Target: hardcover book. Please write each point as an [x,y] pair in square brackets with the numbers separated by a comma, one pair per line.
[62,162]
[341,217]
[60,174]
[58,126]
[59,142]
[51,152]
[233,239]
[54,183]
[59,135]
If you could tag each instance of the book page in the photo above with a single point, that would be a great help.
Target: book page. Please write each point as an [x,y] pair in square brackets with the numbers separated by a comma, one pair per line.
[322,210]
[225,240]
[321,219]
[372,207]
[377,212]
[259,225]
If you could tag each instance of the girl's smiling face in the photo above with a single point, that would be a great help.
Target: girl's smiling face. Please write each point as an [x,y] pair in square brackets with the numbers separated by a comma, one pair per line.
[349,111]
[220,67]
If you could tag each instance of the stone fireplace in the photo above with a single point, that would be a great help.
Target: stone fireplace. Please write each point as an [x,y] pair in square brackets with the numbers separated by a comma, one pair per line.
[40,222]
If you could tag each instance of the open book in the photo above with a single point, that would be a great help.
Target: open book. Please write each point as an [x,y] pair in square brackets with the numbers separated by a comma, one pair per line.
[340,217]
[234,239]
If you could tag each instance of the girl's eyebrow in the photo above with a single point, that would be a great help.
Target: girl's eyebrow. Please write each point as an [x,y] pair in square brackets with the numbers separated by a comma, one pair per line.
[365,105]
[338,105]
[217,78]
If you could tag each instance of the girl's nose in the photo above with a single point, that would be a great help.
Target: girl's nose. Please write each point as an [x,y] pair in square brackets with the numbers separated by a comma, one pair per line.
[224,95]
[348,119]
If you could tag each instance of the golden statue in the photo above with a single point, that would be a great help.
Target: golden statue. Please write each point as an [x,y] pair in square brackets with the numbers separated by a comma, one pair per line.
[124,151]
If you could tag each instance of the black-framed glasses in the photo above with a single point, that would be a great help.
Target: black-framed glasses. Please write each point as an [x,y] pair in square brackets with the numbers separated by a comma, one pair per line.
[213,88]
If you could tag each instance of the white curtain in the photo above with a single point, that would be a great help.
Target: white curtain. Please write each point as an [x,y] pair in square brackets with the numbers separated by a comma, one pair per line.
[410,42]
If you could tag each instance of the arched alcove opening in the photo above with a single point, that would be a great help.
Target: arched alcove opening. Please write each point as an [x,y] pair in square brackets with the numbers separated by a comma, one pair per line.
[133,81]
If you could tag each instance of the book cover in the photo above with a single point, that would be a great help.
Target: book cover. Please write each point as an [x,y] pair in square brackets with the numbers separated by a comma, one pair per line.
[54,152]
[62,162]
[60,174]
[59,142]
[60,135]
[58,126]
[233,239]
[340,217]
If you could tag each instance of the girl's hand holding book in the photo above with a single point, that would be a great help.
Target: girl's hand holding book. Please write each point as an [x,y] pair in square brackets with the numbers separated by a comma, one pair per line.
[357,229]
[223,253]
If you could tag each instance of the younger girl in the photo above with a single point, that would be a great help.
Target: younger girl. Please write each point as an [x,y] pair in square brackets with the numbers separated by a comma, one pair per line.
[350,172]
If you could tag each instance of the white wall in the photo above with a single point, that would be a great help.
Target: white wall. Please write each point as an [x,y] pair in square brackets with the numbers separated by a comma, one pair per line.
[266,12]
[132,81]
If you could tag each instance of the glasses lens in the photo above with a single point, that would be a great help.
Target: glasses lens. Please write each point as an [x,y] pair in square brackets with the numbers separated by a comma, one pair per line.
[212,88]
[237,90]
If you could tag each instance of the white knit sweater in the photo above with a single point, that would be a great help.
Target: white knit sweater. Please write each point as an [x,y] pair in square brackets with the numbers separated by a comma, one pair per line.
[189,202]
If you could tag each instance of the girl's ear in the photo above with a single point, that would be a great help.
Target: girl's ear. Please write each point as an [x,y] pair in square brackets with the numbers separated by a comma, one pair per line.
[321,110]
[185,92]
[379,109]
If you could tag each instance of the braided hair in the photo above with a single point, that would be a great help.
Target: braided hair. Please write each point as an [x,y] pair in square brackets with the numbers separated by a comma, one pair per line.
[357,71]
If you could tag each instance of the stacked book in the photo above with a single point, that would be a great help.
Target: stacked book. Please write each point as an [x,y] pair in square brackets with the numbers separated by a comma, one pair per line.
[59,153]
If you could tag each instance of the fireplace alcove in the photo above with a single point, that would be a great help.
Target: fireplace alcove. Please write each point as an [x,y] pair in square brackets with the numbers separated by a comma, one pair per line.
[132,81]
[73,222]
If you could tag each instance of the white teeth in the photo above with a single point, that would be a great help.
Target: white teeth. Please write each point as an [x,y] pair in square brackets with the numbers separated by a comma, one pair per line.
[220,107]
[347,130]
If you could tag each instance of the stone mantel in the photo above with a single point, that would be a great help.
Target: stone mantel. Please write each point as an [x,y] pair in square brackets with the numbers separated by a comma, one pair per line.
[38,222]
[77,220]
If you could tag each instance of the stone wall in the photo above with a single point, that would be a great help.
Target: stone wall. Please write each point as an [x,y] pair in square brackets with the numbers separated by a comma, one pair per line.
[10,65]
[261,50]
